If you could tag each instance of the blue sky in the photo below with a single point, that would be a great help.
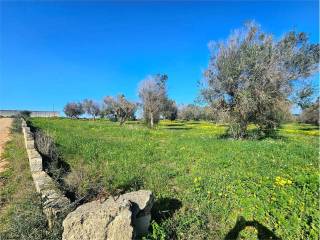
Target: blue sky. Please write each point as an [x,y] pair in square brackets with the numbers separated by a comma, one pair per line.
[54,52]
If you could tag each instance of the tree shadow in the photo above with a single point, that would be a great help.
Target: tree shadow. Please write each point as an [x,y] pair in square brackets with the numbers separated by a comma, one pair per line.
[177,128]
[174,124]
[134,122]
[164,208]
[254,134]
[263,232]
[309,128]
[193,123]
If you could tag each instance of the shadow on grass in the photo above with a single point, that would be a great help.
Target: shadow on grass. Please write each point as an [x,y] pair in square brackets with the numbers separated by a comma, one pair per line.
[309,128]
[263,232]
[177,128]
[193,123]
[164,208]
[254,135]
[174,124]
[134,123]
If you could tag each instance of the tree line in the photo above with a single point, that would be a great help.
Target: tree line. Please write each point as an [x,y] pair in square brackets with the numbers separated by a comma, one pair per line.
[251,78]
[155,104]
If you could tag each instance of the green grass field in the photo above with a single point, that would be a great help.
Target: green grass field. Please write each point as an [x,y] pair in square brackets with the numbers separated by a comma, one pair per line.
[203,183]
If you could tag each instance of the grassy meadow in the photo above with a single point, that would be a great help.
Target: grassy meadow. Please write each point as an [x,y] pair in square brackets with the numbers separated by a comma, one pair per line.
[207,187]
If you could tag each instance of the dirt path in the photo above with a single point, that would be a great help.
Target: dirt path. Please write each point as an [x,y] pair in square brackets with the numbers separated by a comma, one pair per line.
[5,124]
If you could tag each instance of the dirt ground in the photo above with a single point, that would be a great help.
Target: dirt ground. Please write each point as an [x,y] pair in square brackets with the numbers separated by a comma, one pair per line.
[5,124]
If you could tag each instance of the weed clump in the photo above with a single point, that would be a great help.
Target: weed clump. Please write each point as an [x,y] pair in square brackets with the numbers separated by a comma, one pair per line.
[29,223]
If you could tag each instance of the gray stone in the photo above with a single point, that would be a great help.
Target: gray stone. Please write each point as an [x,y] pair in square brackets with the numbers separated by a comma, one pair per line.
[42,181]
[142,202]
[26,130]
[33,153]
[99,221]
[29,143]
[123,217]
[35,164]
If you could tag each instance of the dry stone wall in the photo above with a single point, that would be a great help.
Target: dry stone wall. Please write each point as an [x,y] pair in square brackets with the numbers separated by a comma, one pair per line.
[54,202]
[123,217]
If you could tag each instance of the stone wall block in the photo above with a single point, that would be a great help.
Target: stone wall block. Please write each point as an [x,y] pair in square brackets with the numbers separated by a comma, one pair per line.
[30,144]
[35,164]
[53,201]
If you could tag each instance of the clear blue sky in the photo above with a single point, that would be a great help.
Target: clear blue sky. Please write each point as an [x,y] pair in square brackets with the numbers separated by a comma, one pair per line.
[54,52]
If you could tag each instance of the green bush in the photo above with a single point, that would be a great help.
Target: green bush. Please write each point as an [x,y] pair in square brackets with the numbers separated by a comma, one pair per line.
[16,125]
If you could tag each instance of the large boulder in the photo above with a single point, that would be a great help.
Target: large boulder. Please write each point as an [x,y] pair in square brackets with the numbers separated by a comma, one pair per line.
[122,217]
[142,202]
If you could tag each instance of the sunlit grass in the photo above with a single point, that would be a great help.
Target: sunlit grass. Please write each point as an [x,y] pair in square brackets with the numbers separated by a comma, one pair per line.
[273,181]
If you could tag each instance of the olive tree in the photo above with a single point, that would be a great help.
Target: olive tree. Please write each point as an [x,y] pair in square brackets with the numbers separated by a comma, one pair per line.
[169,110]
[153,94]
[190,112]
[195,113]
[311,113]
[303,96]
[250,77]
[90,107]
[120,108]
[73,110]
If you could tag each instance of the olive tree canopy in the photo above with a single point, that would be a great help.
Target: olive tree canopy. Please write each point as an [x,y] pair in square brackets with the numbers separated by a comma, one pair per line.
[73,110]
[90,107]
[119,107]
[250,76]
[153,94]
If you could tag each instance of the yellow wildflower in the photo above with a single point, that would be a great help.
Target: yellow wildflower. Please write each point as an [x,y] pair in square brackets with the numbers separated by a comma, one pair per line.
[280,181]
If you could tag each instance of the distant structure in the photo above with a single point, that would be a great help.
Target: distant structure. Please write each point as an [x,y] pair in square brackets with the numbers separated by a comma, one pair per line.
[11,113]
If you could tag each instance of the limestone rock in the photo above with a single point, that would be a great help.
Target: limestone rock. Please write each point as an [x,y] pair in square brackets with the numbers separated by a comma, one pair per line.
[35,164]
[30,144]
[122,217]
[42,181]
[99,221]
[33,153]
[142,202]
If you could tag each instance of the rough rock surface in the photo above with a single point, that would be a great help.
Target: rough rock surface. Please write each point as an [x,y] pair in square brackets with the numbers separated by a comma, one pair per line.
[114,219]
[142,202]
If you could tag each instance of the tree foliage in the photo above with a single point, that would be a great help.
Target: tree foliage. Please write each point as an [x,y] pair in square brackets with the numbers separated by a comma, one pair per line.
[90,107]
[170,110]
[303,96]
[311,114]
[73,110]
[195,113]
[119,108]
[250,76]
[190,112]
[153,94]
[24,114]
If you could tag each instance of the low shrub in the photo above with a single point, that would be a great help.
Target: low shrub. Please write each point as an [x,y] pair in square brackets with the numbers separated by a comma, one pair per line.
[16,125]
[29,223]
